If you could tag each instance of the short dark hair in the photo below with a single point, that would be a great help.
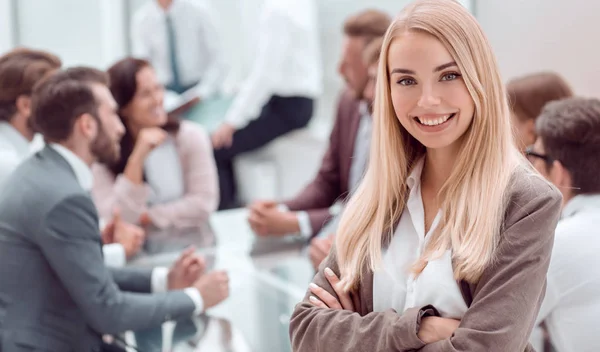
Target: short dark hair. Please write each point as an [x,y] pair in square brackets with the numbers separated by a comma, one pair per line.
[528,94]
[369,24]
[570,132]
[60,99]
[20,70]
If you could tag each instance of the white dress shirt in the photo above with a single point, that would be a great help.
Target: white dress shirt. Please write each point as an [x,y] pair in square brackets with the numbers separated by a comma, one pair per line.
[84,176]
[394,286]
[14,148]
[197,43]
[572,303]
[287,61]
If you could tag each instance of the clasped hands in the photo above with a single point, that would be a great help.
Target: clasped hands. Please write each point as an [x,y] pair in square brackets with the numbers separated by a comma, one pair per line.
[432,329]
[189,271]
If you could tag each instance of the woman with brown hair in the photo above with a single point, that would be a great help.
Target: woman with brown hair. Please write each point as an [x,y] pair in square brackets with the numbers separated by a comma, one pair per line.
[527,96]
[166,175]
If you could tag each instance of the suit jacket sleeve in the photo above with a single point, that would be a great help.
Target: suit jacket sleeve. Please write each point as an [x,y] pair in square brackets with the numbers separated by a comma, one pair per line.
[509,294]
[70,241]
[325,189]
[133,279]
[319,330]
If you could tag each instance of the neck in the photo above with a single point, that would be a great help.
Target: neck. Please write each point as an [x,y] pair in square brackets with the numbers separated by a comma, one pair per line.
[567,196]
[165,4]
[134,131]
[82,151]
[438,167]
[21,124]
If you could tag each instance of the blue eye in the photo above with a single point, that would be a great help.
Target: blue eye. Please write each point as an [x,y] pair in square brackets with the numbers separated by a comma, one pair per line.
[406,82]
[450,76]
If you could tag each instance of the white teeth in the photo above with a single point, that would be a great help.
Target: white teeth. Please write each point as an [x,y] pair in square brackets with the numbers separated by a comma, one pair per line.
[434,122]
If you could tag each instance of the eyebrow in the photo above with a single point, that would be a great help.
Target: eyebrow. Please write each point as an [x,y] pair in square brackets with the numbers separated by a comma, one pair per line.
[437,69]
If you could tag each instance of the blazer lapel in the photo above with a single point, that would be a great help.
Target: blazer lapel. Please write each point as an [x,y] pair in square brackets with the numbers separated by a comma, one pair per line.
[347,145]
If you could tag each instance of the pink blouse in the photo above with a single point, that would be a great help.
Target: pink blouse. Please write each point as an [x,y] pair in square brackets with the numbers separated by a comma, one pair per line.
[201,189]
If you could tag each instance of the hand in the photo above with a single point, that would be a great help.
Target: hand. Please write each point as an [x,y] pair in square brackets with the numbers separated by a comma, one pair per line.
[148,139]
[253,220]
[319,249]
[145,220]
[131,237]
[266,219]
[186,270]
[324,299]
[223,136]
[213,287]
[435,329]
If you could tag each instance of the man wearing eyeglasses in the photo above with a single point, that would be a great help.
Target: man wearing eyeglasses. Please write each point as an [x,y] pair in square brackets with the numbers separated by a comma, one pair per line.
[567,153]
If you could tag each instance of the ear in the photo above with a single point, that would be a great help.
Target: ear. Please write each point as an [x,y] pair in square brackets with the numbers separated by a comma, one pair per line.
[87,126]
[560,176]
[23,104]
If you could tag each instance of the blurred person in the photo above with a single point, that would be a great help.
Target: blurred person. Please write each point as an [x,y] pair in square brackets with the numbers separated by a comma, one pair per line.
[321,244]
[180,40]
[278,95]
[527,95]
[440,248]
[165,175]
[56,294]
[20,70]
[567,153]
[345,160]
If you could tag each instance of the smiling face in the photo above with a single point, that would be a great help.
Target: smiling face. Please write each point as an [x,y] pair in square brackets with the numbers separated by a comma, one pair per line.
[146,108]
[428,93]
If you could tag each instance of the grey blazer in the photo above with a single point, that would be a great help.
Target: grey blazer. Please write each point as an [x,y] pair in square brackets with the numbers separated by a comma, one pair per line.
[55,292]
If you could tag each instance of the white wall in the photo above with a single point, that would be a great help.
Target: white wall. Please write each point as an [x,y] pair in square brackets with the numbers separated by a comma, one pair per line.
[533,35]
[6,25]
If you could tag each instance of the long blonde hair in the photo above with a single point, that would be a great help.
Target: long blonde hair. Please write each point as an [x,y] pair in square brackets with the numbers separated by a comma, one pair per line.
[473,197]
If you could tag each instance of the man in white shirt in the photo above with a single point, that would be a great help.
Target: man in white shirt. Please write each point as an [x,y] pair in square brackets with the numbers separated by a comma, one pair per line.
[180,40]
[567,153]
[278,94]
[20,71]
[346,159]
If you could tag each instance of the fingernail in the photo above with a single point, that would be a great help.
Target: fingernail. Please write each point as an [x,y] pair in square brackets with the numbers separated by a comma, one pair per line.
[329,272]
[314,299]
[313,285]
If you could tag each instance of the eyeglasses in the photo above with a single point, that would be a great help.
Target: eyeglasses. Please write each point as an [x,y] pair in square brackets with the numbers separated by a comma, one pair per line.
[530,153]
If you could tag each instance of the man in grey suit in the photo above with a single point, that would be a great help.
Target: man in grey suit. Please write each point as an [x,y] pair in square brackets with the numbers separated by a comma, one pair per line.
[55,292]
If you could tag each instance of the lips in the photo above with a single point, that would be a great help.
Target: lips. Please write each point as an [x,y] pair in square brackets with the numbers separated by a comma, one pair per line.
[433,120]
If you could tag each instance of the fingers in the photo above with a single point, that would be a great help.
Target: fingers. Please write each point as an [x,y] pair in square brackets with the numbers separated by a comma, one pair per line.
[258,224]
[334,281]
[269,204]
[228,141]
[315,302]
[116,216]
[263,211]
[324,296]
[194,270]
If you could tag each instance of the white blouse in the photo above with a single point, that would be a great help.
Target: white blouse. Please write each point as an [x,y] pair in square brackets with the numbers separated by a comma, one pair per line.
[394,286]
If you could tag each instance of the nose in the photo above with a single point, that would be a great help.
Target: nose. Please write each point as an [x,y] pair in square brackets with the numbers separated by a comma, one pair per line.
[429,98]
[120,128]
[340,68]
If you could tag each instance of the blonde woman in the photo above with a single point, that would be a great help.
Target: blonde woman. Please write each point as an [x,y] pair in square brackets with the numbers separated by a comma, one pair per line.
[446,243]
